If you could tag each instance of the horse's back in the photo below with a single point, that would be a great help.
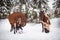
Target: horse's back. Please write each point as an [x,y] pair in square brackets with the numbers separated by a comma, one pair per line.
[14,16]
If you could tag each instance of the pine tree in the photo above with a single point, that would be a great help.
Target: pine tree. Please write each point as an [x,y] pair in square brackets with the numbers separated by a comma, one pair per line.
[56,5]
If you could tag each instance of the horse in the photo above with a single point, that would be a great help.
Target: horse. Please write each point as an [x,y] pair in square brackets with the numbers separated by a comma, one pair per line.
[14,17]
[44,19]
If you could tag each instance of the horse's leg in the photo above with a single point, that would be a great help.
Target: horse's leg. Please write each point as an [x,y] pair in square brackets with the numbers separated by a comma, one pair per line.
[11,28]
[21,28]
[15,30]
[43,28]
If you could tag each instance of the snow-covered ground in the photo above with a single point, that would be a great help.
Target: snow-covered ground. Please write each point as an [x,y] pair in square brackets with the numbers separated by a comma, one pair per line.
[31,31]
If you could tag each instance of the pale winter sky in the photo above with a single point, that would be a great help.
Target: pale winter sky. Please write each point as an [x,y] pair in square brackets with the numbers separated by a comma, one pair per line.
[50,3]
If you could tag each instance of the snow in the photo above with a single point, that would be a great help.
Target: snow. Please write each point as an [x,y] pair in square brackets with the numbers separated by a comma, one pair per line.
[31,31]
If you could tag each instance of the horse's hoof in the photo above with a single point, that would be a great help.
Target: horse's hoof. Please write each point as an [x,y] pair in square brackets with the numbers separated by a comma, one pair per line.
[15,32]
[11,30]
[46,31]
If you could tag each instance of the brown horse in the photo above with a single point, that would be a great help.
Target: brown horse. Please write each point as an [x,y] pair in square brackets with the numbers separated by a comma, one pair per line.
[16,18]
[44,19]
